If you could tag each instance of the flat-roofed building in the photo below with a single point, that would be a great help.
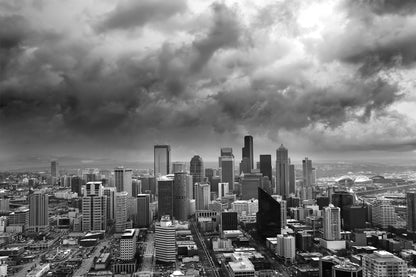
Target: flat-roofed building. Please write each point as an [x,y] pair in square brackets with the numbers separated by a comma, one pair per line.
[383,264]
[128,244]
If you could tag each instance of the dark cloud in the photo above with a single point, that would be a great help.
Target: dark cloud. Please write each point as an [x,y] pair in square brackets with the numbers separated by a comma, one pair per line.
[130,14]
[380,7]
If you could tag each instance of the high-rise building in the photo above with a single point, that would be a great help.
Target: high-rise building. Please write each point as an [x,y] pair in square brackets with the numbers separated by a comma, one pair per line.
[342,199]
[38,212]
[76,185]
[165,195]
[136,187]
[54,168]
[347,270]
[178,167]
[202,195]
[197,169]
[266,166]
[121,211]
[383,214]
[161,160]
[249,184]
[283,210]
[269,221]
[128,245]
[110,193]
[411,211]
[165,240]
[123,180]
[282,171]
[181,195]
[143,210]
[210,173]
[332,223]
[354,217]
[223,189]
[383,264]
[94,207]
[248,152]
[227,167]
[229,221]
[4,205]
[307,172]
[286,247]
[292,179]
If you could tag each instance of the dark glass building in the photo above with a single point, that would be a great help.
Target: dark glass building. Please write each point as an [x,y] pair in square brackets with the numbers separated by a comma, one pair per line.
[354,217]
[269,215]
[266,166]
[165,200]
[248,151]
[322,201]
[229,221]
[342,199]
[197,169]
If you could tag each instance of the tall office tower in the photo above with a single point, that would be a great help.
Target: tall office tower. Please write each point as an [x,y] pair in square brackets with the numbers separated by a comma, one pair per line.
[283,210]
[94,207]
[282,172]
[292,179]
[181,195]
[197,169]
[307,172]
[383,264]
[411,211]
[249,184]
[216,180]
[54,168]
[178,167]
[266,166]
[383,214]
[136,187]
[143,210]
[162,160]
[354,217]
[165,195]
[209,174]
[223,189]
[123,180]
[248,152]
[322,201]
[165,240]
[110,193]
[76,185]
[286,247]
[266,184]
[128,244]
[38,212]
[202,195]
[269,216]
[245,165]
[227,167]
[332,223]
[121,211]
[342,200]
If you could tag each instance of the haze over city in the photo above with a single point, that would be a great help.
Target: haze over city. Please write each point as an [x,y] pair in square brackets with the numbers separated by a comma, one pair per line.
[106,80]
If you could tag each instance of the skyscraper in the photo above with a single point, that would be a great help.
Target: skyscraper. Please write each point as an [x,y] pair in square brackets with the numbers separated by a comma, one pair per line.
[38,212]
[121,211]
[202,195]
[161,160]
[266,166]
[123,180]
[248,152]
[178,167]
[94,207]
[227,167]
[307,172]
[342,199]
[181,195]
[54,168]
[282,172]
[332,223]
[165,240]
[110,194]
[411,211]
[165,195]
[292,179]
[143,210]
[268,218]
[249,184]
[383,264]
[197,169]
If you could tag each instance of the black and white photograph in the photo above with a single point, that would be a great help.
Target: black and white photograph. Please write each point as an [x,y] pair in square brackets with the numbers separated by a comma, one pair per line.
[212,138]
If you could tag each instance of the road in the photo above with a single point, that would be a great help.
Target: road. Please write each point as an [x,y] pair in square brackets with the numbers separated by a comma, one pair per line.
[148,249]
[204,248]
[23,272]
[88,263]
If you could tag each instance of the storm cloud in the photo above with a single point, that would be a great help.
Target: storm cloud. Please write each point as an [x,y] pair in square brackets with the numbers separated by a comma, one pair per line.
[112,77]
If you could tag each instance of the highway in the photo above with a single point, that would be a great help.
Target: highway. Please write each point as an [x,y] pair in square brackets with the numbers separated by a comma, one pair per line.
[204,248]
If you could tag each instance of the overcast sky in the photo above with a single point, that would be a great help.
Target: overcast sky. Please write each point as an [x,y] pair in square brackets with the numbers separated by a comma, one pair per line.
[109,79]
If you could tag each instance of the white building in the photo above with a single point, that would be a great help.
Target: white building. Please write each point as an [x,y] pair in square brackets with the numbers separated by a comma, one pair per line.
[332,223]
[383,214]
[128,245]
[285,247]
[165,240]
[383,264]
[121,211]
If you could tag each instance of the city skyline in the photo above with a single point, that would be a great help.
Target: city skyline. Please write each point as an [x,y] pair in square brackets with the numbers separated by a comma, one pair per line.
[108,80]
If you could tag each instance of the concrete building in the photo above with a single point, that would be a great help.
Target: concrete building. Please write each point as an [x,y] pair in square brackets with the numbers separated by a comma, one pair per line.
[128,246]
[165,240]
[123,180]
[38,212]
[143,210]
[178,167]
[227,167]
[94,207]
[161,160]
[286,247]
[110,194]
[165,185]
[197,170]
[202,195]
[283,210]
[383,214]
[282,172]
[121,211]
[181,195]
[249,184]
[383,264]
[332,223]
[223,189]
